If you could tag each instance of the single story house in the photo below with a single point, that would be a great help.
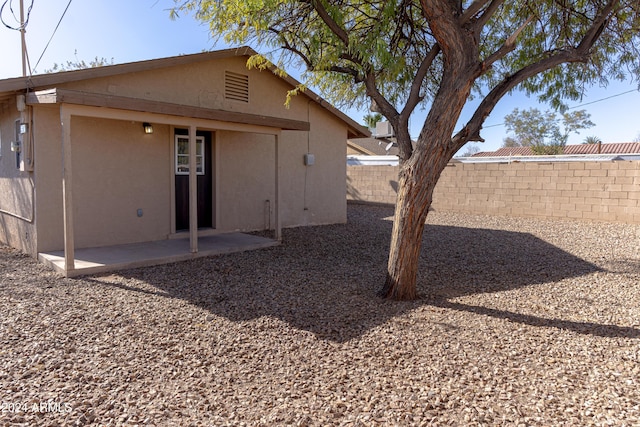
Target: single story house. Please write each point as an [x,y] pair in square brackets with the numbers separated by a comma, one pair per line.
[178,148]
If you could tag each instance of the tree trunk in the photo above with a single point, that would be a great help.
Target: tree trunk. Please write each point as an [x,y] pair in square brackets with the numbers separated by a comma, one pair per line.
[417,179]
[420,171]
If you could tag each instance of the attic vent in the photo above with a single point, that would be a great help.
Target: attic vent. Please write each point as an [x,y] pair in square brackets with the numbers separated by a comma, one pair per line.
[236,86]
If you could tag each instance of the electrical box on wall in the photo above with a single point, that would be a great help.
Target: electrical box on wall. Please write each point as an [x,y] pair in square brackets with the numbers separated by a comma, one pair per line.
[309,159]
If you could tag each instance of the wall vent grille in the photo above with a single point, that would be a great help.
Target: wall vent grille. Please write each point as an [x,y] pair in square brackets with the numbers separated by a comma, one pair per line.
[236,86]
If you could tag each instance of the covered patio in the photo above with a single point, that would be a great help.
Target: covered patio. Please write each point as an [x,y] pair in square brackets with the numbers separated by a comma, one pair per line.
[74,261]
[134,255]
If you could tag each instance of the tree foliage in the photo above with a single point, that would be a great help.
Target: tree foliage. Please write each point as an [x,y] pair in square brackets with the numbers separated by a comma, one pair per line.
[397,55]
[592,139]
[79,64]
[545,133]
[470,150]
[371,120]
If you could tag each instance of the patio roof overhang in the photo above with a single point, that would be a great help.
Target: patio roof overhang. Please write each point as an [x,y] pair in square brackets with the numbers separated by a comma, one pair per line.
[65,96]
[84,104]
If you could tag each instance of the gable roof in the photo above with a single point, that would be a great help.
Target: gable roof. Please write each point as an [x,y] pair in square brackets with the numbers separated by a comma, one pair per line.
[8,87]
[373,147]
[610,148]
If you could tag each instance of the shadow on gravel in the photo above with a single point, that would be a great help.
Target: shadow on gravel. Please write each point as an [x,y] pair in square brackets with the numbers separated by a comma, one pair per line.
[586,328]
[324,279]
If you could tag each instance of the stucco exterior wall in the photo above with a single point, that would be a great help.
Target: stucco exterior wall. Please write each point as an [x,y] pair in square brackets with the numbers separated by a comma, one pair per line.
[309,194]
[117,169]
[325,179]
[17,194]
[48,177]
[603,191]
[201,84]
[246,180]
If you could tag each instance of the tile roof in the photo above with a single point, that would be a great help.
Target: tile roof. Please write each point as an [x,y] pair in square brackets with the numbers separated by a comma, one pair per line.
[610,148]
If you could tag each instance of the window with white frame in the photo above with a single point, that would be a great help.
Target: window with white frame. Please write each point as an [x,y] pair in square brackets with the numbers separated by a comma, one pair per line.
[182,155]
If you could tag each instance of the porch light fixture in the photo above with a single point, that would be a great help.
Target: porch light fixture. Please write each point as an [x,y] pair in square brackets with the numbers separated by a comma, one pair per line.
[147,127]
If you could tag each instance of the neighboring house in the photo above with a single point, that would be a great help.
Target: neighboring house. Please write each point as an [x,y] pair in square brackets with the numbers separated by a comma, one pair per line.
[610,148]
[371,147]
[78,170]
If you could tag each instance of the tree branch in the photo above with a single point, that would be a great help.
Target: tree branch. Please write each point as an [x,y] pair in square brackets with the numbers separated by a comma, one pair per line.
[473,9]
[330,22]
[369,78]
[471,131]
[508,46]
[488,13]
[592,35]
[357,77]
[414,95]
[287,46]
[440,14]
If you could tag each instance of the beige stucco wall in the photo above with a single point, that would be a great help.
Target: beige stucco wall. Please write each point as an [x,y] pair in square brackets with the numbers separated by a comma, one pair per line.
[202,85]
[117,169]
[325,179]
[17,227]
[246,175]
[604,191]
[48,177]
[311,194]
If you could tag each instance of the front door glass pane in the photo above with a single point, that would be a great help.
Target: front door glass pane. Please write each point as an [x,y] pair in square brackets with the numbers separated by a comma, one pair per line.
[182,155]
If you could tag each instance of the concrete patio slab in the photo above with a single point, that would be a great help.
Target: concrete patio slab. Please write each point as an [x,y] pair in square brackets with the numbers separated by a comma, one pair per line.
[121,257]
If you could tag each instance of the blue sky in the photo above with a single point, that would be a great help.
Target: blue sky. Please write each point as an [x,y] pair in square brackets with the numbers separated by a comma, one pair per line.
[134,30]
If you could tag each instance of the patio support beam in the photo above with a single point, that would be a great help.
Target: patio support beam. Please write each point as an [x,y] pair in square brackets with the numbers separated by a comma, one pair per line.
[193,190]
[278,224]
[67,191]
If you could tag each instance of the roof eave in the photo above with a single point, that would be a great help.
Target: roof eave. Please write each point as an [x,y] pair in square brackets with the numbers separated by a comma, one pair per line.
[9,87]
[53,79]
[60,96]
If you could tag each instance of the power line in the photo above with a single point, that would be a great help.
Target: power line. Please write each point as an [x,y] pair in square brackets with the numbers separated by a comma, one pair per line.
[54,33]
[23,25]
[22,28]
[493,126]
[602,99]
[579,105]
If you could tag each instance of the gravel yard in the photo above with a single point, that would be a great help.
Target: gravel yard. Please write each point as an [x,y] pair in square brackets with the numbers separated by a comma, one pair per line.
[520,322]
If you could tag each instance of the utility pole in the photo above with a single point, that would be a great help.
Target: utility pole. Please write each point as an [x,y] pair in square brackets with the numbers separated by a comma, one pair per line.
[22,37]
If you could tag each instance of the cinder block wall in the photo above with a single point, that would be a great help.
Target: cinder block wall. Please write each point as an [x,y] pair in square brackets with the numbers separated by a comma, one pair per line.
[376,184]
[603,191]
